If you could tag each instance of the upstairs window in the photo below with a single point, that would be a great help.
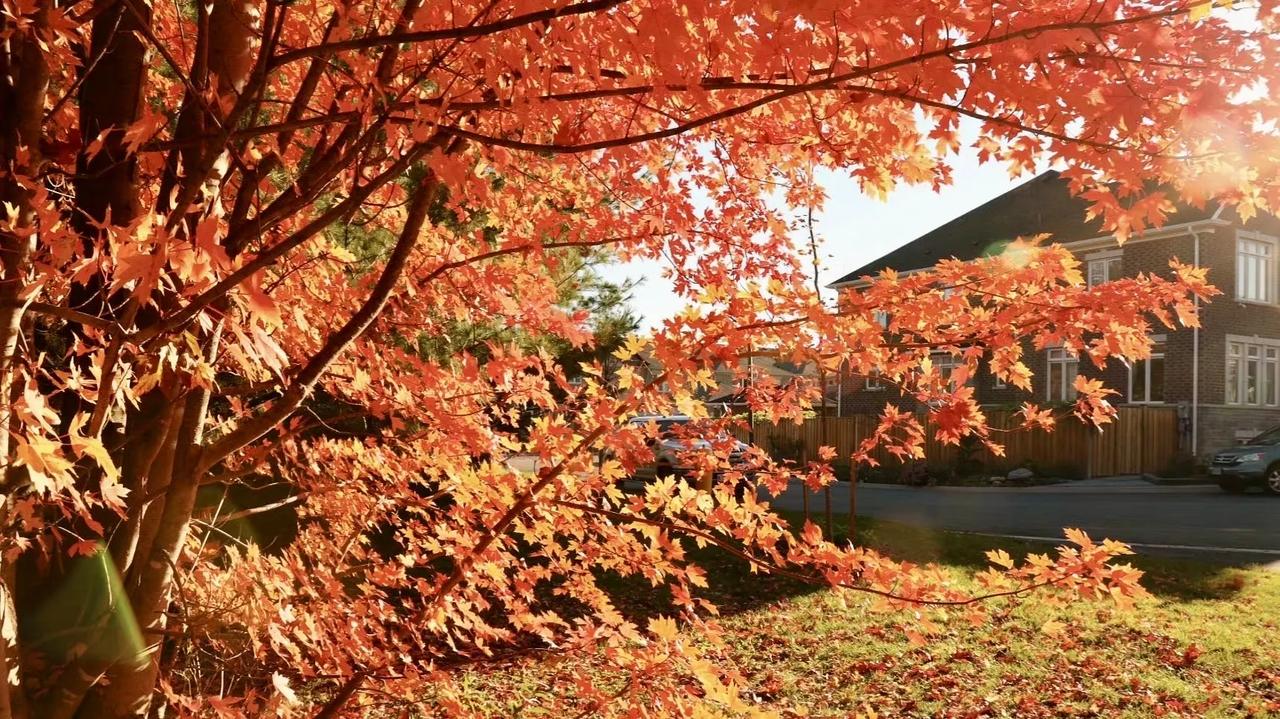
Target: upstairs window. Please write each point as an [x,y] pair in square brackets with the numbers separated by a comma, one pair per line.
[946,363]
[1146,378]
[1063,368]
[1103,269]
[1255,268]
[873,380]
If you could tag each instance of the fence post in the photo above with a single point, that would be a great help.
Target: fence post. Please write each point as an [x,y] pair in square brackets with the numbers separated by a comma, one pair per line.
[804,486]
[852,531]
[1089,440]
[824,437]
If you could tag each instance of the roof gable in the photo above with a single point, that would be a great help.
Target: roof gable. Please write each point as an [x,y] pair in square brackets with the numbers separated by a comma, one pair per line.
[1042,205]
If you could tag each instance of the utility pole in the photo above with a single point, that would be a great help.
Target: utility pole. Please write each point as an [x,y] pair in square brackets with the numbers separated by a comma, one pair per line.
[746,395]
[822,370]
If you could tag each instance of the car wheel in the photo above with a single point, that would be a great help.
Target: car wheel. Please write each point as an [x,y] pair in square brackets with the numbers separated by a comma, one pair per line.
[1231,486]
[1271,482]
[664,470]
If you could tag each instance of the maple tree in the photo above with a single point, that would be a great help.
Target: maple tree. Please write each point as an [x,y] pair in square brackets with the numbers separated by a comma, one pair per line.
[180,284]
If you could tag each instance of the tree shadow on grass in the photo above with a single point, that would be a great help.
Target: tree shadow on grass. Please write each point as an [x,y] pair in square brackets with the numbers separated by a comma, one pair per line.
[1171,578]
[734,588]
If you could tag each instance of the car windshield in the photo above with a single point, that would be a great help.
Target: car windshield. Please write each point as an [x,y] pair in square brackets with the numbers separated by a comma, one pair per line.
[665,426]
[1271,436]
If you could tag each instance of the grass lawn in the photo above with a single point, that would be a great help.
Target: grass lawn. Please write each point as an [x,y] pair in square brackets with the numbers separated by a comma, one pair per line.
[1206,645]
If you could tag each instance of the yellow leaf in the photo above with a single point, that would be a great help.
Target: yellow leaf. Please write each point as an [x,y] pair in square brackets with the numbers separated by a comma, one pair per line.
[664,628]
[1000,558]
[84,445]
[281,683]
[630,348]
[1053,627]
[1077,536]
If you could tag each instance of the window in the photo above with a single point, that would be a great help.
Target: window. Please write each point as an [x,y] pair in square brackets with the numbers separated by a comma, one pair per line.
[1146,377]
[1103,269]
[946,363]
[881,318]
[997,382]
[1255,268]
[1253,371]
[1063,367]
[873,380]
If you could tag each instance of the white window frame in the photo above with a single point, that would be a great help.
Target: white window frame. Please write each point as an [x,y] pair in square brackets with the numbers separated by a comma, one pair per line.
[881,317]
[1255,265]
[1060,355]
[945,362]
[1158,349]
[1110,262]
[1241,351]
[873,381]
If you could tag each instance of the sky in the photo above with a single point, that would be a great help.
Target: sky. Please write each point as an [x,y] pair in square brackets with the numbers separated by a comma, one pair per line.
[853,228]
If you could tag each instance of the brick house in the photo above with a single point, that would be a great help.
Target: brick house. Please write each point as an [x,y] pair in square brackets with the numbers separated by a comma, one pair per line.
[1223,378]
[729,396]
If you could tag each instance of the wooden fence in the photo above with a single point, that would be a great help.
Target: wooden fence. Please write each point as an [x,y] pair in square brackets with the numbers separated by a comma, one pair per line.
[1141,439]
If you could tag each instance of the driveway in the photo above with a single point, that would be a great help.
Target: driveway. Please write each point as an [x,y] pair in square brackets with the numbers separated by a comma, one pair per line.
[1194,521]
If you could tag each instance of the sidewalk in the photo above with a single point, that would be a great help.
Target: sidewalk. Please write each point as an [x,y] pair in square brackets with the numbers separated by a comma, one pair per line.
[1132,484]
[1105,485]
[1128,484]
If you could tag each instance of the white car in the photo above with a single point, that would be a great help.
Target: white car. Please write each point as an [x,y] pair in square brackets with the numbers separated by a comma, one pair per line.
[670,451]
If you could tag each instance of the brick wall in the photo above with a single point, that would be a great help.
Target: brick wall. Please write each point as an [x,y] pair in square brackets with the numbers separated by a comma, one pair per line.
[1222,426]
[1224,315]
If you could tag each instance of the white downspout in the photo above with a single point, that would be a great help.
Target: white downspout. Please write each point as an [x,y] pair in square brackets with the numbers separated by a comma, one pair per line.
[1195,360]
[840,391]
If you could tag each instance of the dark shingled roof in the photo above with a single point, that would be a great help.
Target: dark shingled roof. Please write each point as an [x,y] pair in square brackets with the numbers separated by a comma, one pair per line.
[1040,205]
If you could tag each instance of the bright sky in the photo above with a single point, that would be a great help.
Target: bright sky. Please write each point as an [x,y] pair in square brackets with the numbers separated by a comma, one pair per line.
[854,229]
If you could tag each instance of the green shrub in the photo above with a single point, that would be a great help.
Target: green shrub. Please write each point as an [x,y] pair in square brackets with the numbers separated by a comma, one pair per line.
[784,448]
[1182,464]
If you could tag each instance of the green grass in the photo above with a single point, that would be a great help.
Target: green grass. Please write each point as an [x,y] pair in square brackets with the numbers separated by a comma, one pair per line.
[1207,644]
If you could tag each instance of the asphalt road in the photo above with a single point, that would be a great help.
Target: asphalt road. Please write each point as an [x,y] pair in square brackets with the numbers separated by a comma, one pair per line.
[1191,521]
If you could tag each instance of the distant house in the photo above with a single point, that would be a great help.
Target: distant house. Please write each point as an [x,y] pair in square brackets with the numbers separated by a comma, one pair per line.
[1224,377]
[729,395]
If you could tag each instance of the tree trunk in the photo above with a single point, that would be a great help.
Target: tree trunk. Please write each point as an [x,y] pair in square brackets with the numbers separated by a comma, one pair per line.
[111,95]
[110,100]
[132,683]
[164,462]
[24,79]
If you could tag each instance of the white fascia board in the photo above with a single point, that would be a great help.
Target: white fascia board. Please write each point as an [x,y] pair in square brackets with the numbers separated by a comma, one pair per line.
[1100,242]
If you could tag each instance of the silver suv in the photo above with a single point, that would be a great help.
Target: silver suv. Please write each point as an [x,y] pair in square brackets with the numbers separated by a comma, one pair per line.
[670,450]
[1256,462]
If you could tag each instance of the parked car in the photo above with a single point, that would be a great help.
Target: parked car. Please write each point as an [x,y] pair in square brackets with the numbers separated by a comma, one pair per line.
[671,450]
[1256,462]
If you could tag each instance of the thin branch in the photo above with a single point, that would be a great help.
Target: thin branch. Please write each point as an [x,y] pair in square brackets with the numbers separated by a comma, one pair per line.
[295,499]
[267,257]
[68,314]
[450,33]
[300,388]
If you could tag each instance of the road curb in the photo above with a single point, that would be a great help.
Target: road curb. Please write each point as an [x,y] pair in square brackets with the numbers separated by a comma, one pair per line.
[1143,488]
[1179,481]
